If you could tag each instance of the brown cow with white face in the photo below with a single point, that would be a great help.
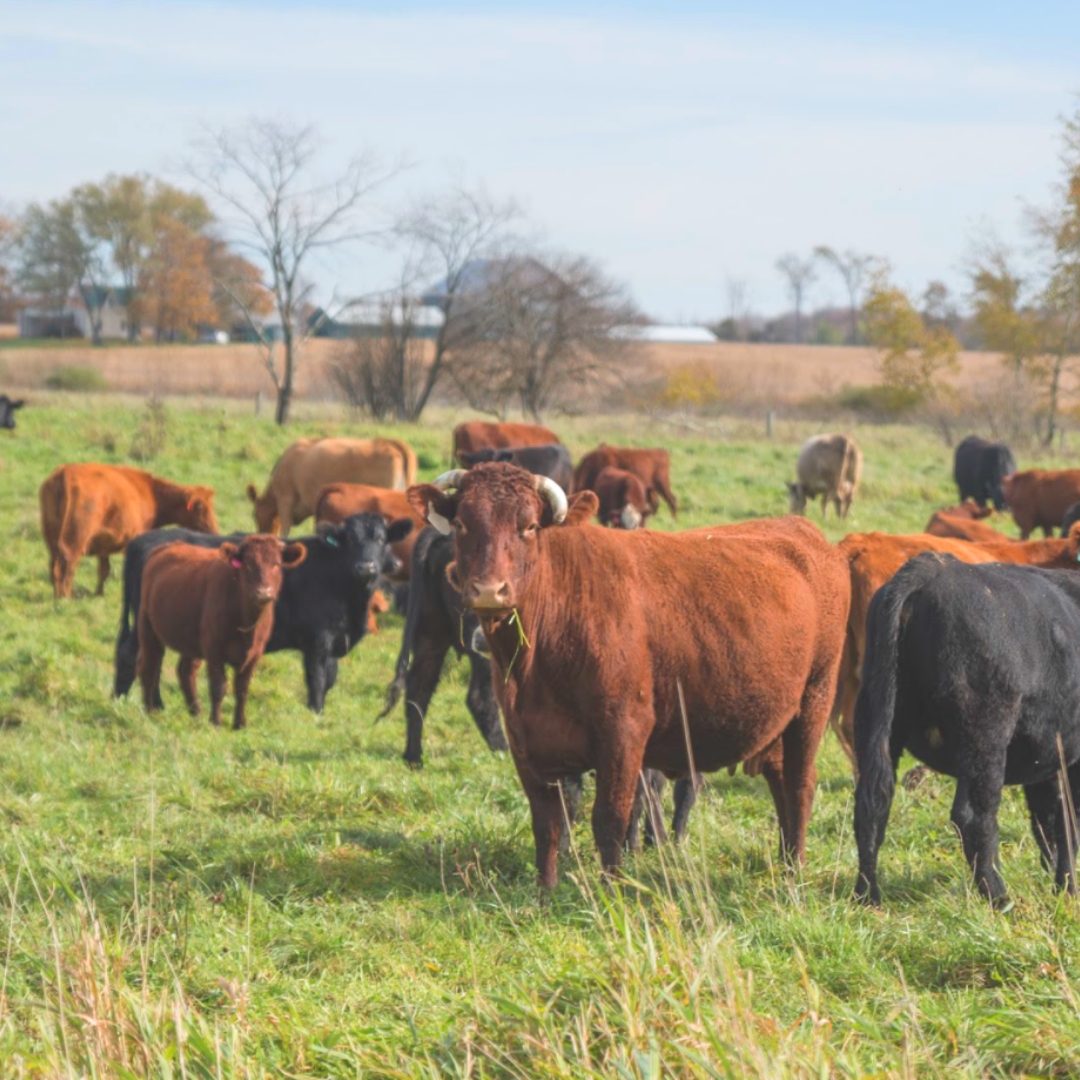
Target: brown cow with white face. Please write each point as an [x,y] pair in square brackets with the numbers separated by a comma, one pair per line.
[596,633]
[622,498]
[212,605]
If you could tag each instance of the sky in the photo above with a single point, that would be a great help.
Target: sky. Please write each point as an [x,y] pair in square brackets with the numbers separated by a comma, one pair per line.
[679,145]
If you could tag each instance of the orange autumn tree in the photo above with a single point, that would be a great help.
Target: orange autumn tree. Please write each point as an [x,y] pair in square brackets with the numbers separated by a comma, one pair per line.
[176,286]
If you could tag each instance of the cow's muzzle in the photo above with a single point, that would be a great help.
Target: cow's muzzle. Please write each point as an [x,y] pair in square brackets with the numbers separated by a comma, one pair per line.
[489,597]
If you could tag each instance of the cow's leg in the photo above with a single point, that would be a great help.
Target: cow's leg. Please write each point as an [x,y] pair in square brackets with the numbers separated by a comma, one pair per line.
[187,671]
[1044,806]
[420,682]
[102,574]
[65,574]
[872,807]
[331,672]
[316,663]
[771,766]
[1065,877]
[572,790]
[618,768]
[482,705]
[653,791]
[974,813]
[148,665]
[215,672]
[685,797]
[546,807]
[801,739]
[824,505]
[842,715]
[241,682]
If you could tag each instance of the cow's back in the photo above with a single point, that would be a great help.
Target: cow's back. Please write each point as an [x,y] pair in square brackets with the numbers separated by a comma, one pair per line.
[98,508]
[821,462]
[179,583]
[480,434]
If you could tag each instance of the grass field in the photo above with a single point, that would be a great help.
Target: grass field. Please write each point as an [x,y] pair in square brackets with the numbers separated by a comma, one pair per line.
[292,901]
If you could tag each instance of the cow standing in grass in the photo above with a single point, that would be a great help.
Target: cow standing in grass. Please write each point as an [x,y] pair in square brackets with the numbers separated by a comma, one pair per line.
[599,636]
[975,671]
[216,606]
[476,435]
[1040,498]
[99,509]
[979,467]
[622,501]
[829,466]
[651,466]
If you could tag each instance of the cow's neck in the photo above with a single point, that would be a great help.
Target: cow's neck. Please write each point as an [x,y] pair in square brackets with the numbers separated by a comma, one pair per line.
[168,498]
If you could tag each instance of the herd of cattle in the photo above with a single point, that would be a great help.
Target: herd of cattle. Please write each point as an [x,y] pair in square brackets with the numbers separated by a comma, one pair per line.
[633,653]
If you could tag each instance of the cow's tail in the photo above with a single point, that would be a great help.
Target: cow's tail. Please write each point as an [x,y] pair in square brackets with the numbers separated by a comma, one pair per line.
[412,620]
[875,710]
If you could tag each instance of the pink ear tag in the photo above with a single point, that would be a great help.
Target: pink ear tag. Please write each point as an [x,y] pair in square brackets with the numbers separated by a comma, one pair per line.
[236,563]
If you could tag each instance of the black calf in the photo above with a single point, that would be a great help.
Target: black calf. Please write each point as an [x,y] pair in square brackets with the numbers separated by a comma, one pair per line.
[975,670]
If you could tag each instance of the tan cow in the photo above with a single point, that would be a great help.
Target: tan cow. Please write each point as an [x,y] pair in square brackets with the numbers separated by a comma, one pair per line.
[309,465]
[829,466]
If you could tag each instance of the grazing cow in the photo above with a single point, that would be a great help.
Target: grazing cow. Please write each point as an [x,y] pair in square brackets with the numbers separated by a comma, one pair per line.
[435,622]
[99,509]
[974,669]
[7,411]
[336,502]
[321,611]
[309,465]
[1072,516]
[599,637]
[829,466]
[551,459]
[964,522]
[651,467]
[873,558]
[216,606]
[1039,498]
[979,466]
[622,499]
[476,435]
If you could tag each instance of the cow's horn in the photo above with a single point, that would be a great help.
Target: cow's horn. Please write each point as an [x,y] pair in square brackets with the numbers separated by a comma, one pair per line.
[555,495]
[451,479]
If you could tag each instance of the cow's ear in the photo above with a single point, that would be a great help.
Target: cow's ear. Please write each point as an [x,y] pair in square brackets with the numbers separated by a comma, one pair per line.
[330,533]
[398,530]
[582,508]
[253,493]
[435,506]
[292,555]
[230,553]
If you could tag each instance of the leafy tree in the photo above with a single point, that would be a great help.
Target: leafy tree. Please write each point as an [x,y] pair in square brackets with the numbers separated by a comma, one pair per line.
[175,286]
[854,269]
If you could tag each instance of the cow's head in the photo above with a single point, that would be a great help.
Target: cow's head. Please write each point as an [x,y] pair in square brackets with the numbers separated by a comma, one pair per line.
[198,510]
[7,411]
[266,510]
[259,562]
[623,500]
[469,458]
[796,494]
[364,540]
[498,514]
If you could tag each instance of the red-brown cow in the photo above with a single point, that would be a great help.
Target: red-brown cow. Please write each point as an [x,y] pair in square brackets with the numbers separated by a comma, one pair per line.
[336,502]
[964,522]
[475,435]
[212,605]
[597,634]
[1039,498]
[623,503]
[98,509]
[651,467]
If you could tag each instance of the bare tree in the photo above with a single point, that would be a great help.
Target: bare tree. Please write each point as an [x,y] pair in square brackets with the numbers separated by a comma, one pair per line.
[285,216]
[800,275]
[738,305]
[544,332]
[854,269]
[457,236]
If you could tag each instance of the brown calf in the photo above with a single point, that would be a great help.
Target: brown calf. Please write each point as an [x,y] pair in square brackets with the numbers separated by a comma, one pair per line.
[873,558]
[98,509]
[623,503]
[336,502]
[212,605]
[1039,498]
[477,434]
[652,467]
[599,635]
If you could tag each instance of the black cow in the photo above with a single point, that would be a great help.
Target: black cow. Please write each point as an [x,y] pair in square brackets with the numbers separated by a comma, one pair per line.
[7,411]
[435,622]
[321,610]
[978,468]
[551,459]
[975,670]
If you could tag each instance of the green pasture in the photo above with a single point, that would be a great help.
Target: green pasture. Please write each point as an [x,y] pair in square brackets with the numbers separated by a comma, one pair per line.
[292,901]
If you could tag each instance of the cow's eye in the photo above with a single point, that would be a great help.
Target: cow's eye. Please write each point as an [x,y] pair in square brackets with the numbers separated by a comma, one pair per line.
[460,526]
[529,531]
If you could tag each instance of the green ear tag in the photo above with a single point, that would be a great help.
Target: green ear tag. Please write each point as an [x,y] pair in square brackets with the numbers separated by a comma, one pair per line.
[333,541]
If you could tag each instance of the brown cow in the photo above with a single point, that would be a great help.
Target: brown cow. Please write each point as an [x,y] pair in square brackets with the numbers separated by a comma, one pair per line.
[476,435]
[829,466]
[623,503]
[599,635]
[652,467]
[336,502]
[379,606]
[873,558]
[212,605]
[964,522]
[97,509]
[1039,498]
[309,465]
